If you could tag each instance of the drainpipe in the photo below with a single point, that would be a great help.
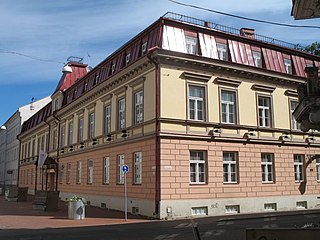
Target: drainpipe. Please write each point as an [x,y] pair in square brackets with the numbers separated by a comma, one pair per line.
[18,173]
[58,147]
[157,140]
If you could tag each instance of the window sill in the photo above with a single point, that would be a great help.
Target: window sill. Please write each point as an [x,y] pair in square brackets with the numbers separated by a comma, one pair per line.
[197,183]
[268,182]
[227,183]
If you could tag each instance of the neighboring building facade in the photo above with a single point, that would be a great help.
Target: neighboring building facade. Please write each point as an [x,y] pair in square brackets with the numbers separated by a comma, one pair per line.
[9,144]
[305,9]
[200,113]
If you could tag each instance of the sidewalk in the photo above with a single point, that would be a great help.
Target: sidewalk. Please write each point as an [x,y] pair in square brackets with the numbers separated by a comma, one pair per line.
[20,215]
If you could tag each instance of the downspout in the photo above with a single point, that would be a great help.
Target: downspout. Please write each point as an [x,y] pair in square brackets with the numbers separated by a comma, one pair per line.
[47,150]
[58,147]
[157,139]
[18,175]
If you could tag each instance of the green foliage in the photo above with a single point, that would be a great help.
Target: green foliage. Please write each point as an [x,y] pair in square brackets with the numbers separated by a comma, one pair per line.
[76,199]
[314,48]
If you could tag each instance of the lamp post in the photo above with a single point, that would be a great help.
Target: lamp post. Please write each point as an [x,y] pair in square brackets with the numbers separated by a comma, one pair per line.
[3,127]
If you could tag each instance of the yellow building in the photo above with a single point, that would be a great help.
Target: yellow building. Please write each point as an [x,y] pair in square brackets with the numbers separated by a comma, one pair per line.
[201,114]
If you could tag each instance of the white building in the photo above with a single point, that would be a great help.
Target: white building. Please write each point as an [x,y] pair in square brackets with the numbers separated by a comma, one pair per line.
[9,144]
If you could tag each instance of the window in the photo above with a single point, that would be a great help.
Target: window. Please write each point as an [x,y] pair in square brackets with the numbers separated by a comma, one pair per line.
[54,139]
[294,124]
[106,170]
[270,207]
[196,103]
[79,171]
[267,167]
[68,176]
[144,48]
[264,108]
[197,167]
[228,107]
[288,65]
[199,211]
[230,167]
[137,168]
[233,209]
[257,59]
[107,119]
[302,205]
[318,168]
[113,68]
[138,107]
[63,136]
[90,171]
[80,129]
[122,113]
[128,58]
[70,133]
[298,167]
[222,51]
[191,45]
[120,173]
[61,168]
[91,126]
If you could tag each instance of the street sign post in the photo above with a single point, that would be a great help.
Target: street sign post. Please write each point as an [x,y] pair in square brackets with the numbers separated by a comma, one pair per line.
[125,170]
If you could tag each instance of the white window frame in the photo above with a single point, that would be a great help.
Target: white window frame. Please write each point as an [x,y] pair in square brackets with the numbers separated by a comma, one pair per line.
[198,115]
[267,169]
[106,170]
[80,128]
[62,137]
[263,111]
[318,169]
[91,126]
[294,124]
[232,209]
[138,107]
[107,119]
[144,47]
[121,113]
[197,163]
[270,206]
[137,168]
[120,173]
[228,106]
[222,51]
[79,171]
[90,171]
[199,211]
[230,161]
[299,167]
[288,65]
[191,44]
[70,133]
[257,58]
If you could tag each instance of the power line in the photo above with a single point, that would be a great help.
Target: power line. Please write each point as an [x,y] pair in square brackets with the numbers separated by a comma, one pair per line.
[244,18]
[30,56]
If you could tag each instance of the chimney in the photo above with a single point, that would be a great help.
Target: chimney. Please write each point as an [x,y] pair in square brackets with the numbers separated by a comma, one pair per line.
[207,24]
[247,32]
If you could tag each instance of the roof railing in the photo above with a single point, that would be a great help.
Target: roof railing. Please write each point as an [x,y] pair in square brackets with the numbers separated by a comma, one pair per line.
[226,29]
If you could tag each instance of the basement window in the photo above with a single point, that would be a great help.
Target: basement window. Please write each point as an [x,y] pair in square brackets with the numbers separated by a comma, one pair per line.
[232,209]
[270,207]
[199,211]
[302,205]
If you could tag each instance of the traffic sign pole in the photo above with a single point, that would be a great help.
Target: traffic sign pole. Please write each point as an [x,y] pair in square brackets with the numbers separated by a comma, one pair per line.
[125,197]
[125,170]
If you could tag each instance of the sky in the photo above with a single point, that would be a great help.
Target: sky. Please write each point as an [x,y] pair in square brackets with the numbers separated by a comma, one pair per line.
[51,31]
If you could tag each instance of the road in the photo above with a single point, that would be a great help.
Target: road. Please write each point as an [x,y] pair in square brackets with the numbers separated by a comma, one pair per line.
[213,228]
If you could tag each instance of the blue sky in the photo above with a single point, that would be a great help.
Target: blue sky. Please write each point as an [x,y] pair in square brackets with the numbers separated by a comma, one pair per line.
[55,30]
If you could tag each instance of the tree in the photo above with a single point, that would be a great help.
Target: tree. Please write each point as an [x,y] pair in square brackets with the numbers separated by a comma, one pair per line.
[314,48]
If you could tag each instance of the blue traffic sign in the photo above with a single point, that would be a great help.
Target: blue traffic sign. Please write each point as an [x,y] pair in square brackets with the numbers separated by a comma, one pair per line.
[125,168]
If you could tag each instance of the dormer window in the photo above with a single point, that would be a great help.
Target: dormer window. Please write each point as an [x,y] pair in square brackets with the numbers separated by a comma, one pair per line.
[257,58]
[191,45]
[222,51]
[288,65]
[128,58]
[113,68]
[144,48]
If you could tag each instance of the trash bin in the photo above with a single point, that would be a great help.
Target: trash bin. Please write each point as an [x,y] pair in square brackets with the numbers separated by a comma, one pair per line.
[76,210]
